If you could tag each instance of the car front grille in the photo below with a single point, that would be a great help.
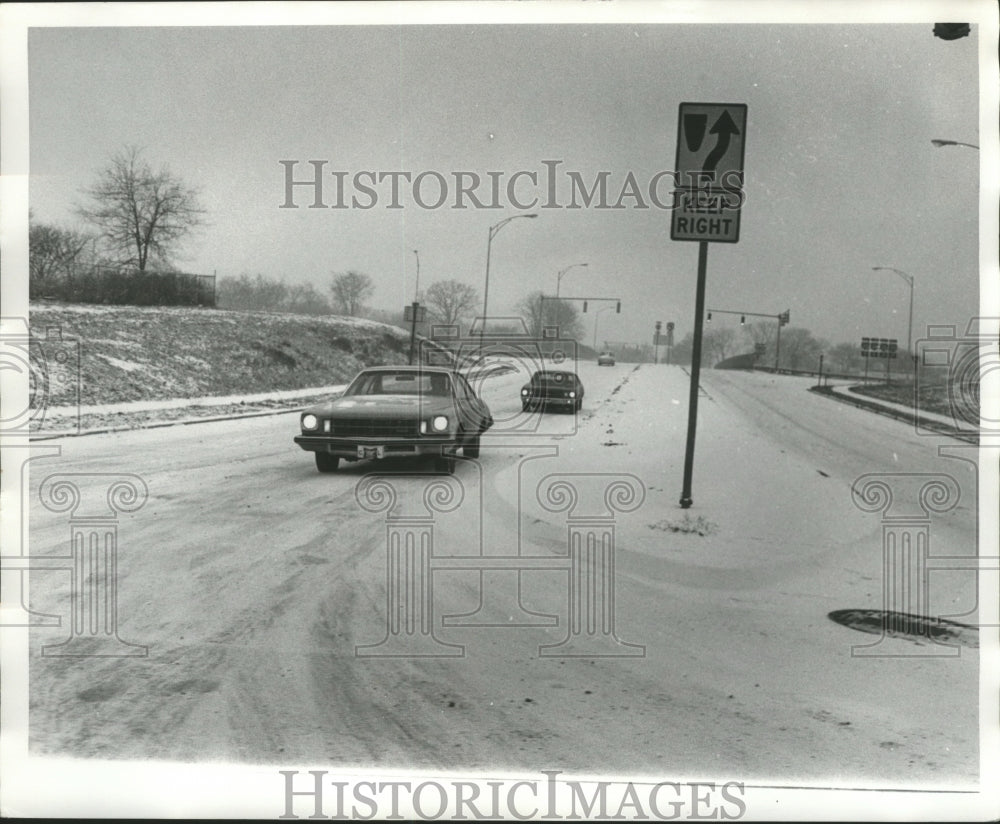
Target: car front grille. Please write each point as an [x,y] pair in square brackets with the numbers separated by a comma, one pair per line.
[374,427]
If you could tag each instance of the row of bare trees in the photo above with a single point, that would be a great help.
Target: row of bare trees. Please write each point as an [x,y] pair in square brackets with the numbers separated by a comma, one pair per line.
[138,215]
[799,349]
[136,218]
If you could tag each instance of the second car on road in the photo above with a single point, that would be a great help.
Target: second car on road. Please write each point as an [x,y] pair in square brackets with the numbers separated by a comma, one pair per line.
[552,388]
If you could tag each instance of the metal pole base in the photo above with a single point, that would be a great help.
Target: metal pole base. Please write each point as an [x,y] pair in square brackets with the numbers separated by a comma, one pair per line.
[592,645]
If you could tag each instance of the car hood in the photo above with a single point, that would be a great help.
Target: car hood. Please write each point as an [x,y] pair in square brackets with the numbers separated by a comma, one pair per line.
[383,406]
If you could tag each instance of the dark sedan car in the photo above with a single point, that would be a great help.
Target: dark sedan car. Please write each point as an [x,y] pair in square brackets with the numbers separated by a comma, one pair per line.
[395,411]
[553,389]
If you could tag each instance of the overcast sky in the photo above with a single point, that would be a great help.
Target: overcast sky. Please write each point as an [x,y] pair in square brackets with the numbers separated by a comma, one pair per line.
[841,174]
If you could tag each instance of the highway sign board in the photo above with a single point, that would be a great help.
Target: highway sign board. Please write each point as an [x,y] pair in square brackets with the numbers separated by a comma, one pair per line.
[879,347]
[711,138]
[408,312]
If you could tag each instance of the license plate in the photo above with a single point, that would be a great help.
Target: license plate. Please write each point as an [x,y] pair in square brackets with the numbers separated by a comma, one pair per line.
[371,451]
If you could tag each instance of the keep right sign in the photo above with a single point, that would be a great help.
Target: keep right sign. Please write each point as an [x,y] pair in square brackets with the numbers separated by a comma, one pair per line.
[711,138]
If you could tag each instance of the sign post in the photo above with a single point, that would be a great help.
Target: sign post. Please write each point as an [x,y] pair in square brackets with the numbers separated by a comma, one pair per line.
[414,313]
[711,138]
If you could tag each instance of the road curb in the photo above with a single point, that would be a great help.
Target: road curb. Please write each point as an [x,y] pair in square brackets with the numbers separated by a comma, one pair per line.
[107,430]
[912,418]
[485,373]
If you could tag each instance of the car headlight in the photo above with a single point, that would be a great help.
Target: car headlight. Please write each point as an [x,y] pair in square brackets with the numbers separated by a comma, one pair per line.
[440,423]
[572,394]
[524,391]
[309,422]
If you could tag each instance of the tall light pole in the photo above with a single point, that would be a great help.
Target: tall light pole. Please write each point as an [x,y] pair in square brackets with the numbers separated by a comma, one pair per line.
[496,227]
[940,143]
[909,279]
[416,289]
[562,272]
[597,315]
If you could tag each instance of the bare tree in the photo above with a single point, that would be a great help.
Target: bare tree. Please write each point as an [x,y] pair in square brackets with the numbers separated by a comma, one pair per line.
[799,349]
[761,332]
[718,344]
[845,357]
[255,294]
[449,301]
[53,252]
[350,292]
[539,313]
[141,214]
[305,299]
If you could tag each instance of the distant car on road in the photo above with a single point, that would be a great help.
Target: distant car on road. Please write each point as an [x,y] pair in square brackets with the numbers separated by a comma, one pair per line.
[552,388]
[397,411]
[606,359]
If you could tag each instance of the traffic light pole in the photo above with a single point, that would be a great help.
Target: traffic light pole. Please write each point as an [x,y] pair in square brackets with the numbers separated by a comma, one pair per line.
[781,317]
[699,313]
[777,348]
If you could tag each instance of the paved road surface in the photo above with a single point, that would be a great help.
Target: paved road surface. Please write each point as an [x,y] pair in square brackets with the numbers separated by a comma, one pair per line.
[252,579]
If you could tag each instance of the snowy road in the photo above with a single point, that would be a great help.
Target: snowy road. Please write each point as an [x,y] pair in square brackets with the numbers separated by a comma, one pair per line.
[252,579]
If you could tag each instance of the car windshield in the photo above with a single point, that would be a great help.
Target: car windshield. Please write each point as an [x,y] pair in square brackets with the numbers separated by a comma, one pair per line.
[553,377]
[403,382]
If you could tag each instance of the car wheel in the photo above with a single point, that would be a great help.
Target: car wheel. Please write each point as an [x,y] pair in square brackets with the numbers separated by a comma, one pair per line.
[471,448]
[326,462]
[445,464]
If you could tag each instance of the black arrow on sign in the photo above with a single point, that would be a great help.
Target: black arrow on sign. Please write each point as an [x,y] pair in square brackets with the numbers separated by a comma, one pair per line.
[725,128]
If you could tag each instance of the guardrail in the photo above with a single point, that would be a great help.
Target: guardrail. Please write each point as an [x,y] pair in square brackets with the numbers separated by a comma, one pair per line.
[825,374]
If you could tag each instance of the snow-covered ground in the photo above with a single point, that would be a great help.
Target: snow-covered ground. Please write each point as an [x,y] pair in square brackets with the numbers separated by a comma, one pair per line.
[252,579]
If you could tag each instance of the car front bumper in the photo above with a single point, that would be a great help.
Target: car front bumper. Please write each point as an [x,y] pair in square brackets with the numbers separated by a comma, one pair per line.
[542,401]
[353,449]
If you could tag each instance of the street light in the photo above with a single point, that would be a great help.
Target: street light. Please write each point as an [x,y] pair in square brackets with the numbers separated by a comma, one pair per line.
[597,315]
[559,277]
[496,227]
[909,279]
[940,143]
[416,290]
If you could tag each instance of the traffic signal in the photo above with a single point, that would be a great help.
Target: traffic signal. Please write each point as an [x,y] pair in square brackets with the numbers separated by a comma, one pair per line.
[951,31]
[783,318]
[670,326]
[709,316]
[618,308]
[743,320]
[585,306]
